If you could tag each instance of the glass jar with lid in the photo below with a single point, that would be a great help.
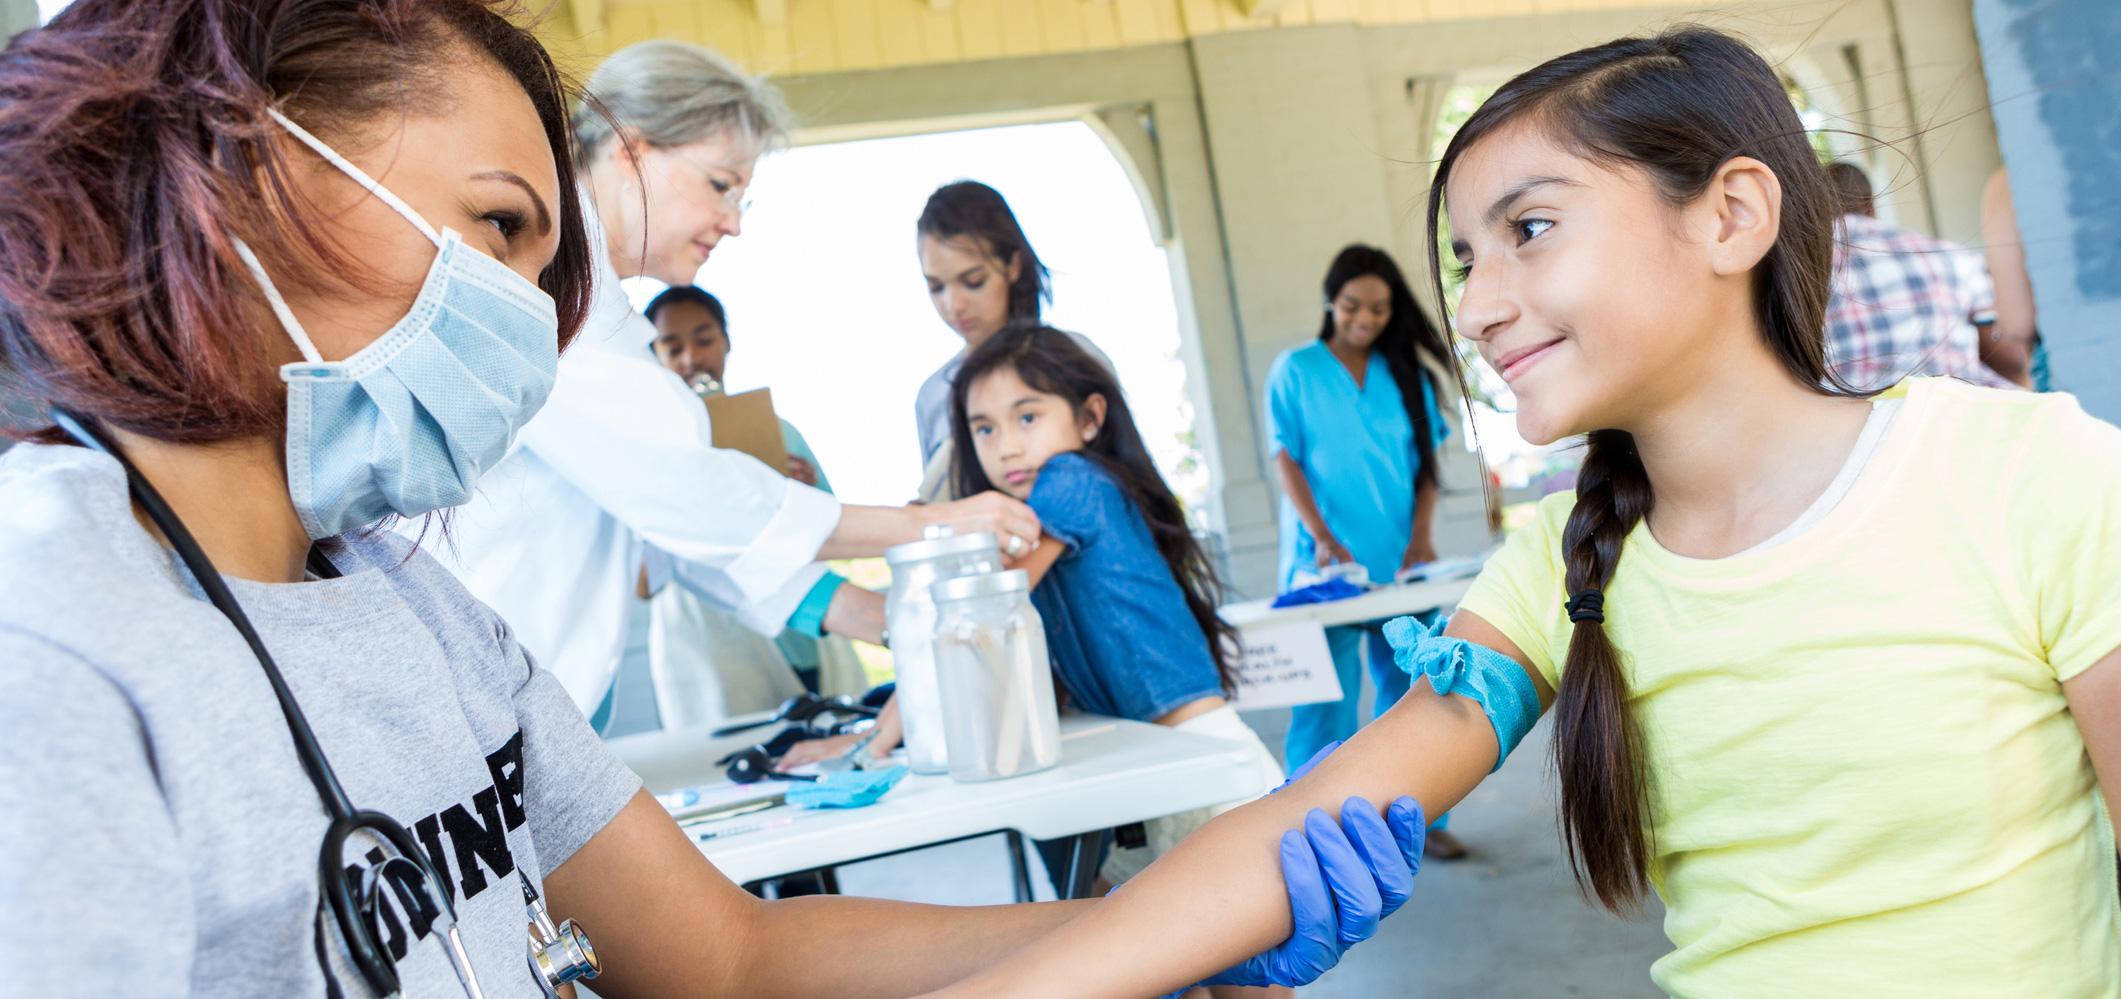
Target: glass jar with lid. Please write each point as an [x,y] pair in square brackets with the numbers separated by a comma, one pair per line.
[999,714]
[909,623]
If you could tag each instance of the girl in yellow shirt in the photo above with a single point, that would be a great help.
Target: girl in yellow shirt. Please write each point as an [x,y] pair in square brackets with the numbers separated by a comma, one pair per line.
[1836,676]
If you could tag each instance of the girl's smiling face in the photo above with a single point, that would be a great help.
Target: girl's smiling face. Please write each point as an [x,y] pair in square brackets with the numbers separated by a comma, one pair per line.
[1016,429]
[1592,295]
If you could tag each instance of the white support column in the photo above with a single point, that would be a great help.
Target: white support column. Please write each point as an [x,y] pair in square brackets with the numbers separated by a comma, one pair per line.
[1298,176]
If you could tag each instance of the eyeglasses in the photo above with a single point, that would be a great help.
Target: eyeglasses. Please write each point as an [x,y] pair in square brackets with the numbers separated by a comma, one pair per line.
[730,193]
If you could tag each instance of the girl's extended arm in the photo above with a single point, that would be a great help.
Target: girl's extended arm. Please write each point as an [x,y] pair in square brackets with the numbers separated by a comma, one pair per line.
[666,923]
[1218,896]
[1298,490]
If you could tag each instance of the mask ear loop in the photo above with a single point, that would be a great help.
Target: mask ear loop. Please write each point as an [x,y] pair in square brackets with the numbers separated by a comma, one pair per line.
[359,176]
[295,331]
[294,328]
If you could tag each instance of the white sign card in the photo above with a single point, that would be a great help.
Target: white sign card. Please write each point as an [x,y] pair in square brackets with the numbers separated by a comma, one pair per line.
[1285,665]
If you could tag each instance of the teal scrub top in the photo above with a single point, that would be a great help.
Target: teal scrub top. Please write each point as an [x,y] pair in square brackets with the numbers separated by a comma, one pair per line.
[792,441]
[1356,449]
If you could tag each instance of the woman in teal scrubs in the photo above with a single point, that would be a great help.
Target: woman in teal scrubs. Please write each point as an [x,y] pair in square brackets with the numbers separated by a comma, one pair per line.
[1354,426]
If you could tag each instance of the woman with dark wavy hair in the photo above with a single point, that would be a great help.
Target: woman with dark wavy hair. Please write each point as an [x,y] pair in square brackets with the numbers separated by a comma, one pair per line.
[281,269]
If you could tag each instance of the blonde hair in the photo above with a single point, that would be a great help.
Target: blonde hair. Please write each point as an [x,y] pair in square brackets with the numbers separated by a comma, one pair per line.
[675,94]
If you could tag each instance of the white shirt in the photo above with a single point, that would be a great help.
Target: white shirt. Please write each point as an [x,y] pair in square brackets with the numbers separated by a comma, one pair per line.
[620,459]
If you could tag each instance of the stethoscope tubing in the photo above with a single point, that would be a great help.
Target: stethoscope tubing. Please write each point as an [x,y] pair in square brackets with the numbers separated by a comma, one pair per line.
[209,580]
[375,966]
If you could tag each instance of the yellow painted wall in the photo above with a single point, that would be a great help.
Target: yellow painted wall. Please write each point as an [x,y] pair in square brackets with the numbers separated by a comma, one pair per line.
[822,36]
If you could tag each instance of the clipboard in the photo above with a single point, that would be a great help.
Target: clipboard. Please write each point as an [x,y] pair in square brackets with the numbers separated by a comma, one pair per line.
[746,422]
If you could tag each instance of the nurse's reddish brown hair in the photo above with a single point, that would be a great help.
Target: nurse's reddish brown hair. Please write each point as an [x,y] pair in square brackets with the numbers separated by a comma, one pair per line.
[135,147]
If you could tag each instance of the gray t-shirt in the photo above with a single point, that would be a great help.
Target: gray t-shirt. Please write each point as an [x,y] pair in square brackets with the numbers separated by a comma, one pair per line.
[158,836]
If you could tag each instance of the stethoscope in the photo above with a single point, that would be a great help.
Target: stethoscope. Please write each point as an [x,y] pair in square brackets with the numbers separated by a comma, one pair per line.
[558,954]
[819,715]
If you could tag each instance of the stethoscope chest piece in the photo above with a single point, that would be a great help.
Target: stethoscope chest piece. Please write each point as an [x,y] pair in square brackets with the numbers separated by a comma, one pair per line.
[558,954]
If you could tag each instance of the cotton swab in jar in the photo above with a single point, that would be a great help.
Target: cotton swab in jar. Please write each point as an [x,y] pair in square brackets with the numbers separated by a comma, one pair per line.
[1009,737]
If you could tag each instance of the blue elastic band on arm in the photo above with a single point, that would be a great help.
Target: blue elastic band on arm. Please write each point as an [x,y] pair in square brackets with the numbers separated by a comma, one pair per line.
[1456,666]
[809,616]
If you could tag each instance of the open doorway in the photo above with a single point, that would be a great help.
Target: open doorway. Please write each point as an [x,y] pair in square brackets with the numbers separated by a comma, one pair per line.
[827,305]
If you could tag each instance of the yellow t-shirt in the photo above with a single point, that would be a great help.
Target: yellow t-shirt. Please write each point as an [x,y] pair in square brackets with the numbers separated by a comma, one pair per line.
[1864,778]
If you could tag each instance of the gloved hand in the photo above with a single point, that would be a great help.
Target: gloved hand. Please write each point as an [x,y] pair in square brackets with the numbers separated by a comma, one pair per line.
[1342,878]
[1394,876]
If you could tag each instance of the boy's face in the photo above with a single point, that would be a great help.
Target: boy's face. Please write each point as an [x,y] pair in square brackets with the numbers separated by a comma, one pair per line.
[1016,429]
[690,342]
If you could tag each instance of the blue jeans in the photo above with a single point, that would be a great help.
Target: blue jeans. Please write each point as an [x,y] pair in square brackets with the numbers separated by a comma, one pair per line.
[1312,726]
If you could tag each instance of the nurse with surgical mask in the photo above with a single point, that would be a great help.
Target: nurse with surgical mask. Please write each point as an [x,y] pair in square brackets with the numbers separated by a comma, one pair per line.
[254,746]
[618,474]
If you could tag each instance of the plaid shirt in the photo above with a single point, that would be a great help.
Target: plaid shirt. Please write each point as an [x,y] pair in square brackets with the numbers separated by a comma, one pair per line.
[1904,304]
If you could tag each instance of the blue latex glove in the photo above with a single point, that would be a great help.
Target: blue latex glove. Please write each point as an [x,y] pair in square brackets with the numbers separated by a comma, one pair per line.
[1342,877]
[1320,593]
[1408,832]
[845,789]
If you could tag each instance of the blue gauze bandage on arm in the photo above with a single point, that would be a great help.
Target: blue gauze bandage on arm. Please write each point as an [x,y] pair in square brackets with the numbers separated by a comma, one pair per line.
[809,616]
[1456,666]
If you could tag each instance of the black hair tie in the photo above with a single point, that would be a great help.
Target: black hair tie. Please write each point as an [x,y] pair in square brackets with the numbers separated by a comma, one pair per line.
[1586,605]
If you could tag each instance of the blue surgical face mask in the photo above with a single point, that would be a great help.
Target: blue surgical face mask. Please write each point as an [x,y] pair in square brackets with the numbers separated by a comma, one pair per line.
[409,423]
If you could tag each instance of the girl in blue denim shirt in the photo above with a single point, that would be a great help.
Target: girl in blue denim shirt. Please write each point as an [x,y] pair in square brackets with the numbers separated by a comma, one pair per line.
[1127,594]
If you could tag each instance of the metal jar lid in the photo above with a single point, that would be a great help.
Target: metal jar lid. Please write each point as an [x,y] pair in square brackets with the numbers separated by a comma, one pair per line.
[940,542]
[986,584]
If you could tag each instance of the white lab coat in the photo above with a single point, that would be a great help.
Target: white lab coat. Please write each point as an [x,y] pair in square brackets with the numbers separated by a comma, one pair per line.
[619,458]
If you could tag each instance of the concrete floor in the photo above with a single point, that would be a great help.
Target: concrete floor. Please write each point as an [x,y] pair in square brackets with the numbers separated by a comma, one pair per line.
[1504,922]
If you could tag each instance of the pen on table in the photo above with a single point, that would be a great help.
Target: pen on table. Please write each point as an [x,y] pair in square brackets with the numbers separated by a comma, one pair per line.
[738,830]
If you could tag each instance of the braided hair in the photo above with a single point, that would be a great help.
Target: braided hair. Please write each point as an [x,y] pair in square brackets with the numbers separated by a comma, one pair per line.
[1677,106]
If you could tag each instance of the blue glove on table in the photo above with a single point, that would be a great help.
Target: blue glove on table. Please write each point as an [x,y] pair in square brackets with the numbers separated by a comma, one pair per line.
[1343,877]
[845,789]
[1320,593]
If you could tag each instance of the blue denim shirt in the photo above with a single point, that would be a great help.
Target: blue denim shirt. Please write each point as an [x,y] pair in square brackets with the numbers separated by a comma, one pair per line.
[1117,627]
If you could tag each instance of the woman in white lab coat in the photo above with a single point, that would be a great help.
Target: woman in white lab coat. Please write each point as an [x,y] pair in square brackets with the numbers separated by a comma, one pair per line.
[617,469]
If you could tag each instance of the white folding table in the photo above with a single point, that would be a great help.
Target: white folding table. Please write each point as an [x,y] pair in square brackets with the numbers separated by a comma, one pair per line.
[1112,773]
[1395,600]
